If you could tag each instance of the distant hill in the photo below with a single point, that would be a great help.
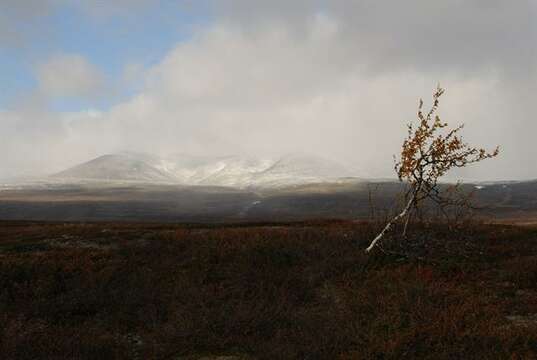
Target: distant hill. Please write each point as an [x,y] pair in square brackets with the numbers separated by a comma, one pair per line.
[232,171]
[301,169]
[116,167]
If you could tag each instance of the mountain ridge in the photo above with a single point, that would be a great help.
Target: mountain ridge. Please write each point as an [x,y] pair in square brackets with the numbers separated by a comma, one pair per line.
[232,170]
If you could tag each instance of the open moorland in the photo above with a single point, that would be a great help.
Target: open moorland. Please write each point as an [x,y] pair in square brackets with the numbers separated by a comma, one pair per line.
[302,290]
[137,201]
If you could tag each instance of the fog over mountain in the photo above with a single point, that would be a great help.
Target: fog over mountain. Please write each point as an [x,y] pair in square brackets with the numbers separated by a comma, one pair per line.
[183,169]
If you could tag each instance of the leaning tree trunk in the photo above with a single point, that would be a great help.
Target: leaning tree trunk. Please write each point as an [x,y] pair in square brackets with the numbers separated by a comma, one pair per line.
[407,221]
[388,226]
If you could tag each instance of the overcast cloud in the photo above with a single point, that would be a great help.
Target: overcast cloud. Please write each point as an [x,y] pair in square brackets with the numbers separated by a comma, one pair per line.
[335,78]
[66,75]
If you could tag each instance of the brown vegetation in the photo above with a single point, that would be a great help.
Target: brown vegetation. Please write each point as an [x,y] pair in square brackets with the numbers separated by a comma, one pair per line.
[280,291]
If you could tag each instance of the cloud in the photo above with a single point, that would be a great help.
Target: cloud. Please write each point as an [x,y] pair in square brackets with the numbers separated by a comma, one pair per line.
[21,20]
[462,36]
[339,79]
[69,75]
[106,9]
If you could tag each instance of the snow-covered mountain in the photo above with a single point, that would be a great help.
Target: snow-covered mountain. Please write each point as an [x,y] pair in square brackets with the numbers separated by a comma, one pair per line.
[233,171]
[299,169]
[116,167]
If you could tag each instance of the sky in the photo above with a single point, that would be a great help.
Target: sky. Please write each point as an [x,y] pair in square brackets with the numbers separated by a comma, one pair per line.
[338,79]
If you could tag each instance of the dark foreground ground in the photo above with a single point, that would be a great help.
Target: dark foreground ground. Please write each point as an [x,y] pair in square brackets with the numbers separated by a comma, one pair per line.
[278,291]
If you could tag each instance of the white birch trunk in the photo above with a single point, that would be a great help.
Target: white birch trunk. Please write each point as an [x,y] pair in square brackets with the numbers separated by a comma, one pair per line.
[388,226]
[408,219]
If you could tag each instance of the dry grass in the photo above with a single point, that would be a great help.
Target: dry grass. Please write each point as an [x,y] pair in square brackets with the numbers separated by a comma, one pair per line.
[279,291]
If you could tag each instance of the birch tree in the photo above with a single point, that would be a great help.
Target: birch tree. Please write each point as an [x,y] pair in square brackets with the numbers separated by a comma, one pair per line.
[429,151]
